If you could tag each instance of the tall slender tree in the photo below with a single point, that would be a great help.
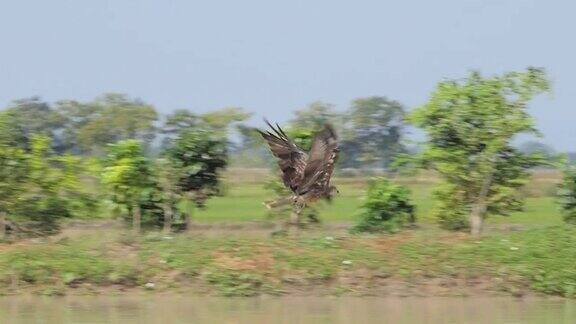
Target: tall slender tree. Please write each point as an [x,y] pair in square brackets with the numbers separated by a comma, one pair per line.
[470,125]
[169,176]
[200,156]
[129,176]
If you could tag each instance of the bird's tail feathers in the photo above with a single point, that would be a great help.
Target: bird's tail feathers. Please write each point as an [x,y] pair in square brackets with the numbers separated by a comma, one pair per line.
[279,202]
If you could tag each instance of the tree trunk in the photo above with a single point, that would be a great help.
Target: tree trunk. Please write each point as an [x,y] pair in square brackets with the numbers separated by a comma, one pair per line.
[479,207]
[2,225]
[188,216]
[477,218]
[168,216]
[189,210]
[137,218]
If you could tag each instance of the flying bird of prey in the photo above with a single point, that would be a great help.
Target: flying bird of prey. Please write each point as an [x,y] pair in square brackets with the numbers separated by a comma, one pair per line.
[306,175]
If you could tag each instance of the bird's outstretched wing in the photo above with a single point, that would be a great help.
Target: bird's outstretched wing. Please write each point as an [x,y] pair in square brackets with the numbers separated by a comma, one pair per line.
[291,159]
[320,165]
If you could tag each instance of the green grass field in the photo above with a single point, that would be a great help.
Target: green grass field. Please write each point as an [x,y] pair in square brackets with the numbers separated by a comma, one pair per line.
[243,202]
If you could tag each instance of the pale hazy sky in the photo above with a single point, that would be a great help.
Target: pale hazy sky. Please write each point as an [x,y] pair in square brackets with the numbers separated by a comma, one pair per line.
[272,57]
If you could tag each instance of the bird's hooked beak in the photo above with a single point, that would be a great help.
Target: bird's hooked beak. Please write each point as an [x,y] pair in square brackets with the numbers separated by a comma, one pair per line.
[333,190]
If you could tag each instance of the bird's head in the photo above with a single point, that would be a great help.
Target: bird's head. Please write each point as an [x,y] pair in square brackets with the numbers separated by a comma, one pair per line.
[332,191]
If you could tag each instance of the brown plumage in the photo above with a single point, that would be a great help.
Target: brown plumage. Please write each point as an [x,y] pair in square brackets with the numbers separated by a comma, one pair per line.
[306,175]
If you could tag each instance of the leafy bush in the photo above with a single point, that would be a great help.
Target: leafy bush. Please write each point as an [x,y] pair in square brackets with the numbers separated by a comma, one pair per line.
[387,208]
[39,188]
[200,156]
[41,213]
[567,195]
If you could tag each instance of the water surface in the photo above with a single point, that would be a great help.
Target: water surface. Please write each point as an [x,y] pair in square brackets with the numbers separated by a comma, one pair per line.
[182,309]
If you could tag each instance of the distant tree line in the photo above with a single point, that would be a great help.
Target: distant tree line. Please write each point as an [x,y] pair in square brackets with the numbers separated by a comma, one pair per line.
[84,159]
[115,154]
[372,131]
[372,128]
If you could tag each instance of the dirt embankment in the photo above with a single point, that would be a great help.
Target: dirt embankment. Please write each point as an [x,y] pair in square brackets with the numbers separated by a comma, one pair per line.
[243,261]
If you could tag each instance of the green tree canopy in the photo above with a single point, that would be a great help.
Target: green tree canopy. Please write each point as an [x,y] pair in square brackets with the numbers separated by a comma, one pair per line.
[470,125]
[220,121]
[27,117]
[89,127]
[370,131]
[201,156]
[314,116]
[567,195]
[180,120]
[14,170]
[12,133]
[129,177]
[51,188]
[373,132]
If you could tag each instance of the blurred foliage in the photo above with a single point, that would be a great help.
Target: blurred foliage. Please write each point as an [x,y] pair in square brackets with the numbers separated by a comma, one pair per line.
[179,121]
[53,166]
[89,127]
[84,159]
[567,195]
[169,176]
[14,171]
[32,116]
[387,208]
[128,176]
[43,188]
[470,126]
[200,156]
[12,133]
[218,123]
[315,115]
[373,131]
[221,120]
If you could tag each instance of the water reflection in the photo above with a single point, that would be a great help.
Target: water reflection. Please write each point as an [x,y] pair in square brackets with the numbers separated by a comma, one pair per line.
[182,309]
